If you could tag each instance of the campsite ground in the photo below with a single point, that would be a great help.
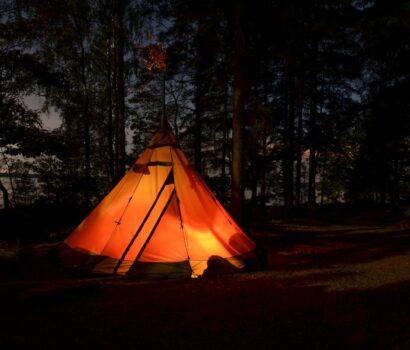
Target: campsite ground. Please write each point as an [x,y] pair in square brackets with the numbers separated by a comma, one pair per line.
[337,283]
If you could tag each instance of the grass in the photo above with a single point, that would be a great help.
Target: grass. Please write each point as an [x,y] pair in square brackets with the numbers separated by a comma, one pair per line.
[326,285]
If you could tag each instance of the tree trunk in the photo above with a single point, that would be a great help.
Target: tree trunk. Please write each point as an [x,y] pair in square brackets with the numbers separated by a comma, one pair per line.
[239,90]
[199,92]
[263,194]
[6,200]
[10,176]
[119,82]
[262,199]
[224,138]
[395,189]
[299,155]
[322,182]
[312,147]
[110,107]
[87,127]
[289,108]
[289,143]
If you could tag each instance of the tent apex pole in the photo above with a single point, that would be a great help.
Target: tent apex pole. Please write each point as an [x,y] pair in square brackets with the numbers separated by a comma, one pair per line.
[163,114]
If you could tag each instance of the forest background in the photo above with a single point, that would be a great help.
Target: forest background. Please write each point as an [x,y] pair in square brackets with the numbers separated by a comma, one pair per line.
[298,105]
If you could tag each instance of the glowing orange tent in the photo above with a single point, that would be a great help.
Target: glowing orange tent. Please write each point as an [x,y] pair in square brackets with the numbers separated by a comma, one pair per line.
[161,218]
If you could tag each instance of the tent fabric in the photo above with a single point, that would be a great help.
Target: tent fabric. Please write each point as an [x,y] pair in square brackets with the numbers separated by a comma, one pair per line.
[160,219]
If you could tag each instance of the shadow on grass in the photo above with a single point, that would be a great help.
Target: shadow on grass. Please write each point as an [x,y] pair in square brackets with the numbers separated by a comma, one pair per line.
[312,246]
[253,311]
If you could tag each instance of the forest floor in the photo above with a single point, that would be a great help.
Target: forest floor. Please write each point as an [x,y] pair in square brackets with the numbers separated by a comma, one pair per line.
[327,284]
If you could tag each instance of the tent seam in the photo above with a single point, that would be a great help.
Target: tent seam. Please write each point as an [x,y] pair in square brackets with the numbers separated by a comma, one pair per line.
[179,211]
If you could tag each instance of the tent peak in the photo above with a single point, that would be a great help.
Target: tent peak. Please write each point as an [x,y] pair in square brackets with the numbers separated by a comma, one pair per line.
[164,136]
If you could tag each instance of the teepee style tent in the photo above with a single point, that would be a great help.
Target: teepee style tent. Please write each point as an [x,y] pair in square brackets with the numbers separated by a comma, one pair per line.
[161,218]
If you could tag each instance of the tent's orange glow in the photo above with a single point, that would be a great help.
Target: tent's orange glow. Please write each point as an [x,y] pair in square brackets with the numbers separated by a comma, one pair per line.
[193,227]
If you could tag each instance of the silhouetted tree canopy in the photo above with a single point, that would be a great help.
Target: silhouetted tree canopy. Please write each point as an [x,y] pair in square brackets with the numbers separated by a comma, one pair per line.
[293,103]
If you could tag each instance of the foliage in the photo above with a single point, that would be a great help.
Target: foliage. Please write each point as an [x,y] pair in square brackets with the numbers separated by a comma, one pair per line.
[326,114]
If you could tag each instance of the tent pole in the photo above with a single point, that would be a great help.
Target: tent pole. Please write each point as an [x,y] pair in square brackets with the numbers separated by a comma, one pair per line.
[180,218]
[163,114]
[155,227]
[119,263]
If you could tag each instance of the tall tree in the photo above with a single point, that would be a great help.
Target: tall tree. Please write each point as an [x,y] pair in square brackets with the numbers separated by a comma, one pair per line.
[21,73]
[119,90]
[289,104]
[199,87]
[238,123]
[381,170]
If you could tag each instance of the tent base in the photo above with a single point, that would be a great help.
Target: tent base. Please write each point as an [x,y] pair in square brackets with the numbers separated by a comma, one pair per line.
[92,263]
